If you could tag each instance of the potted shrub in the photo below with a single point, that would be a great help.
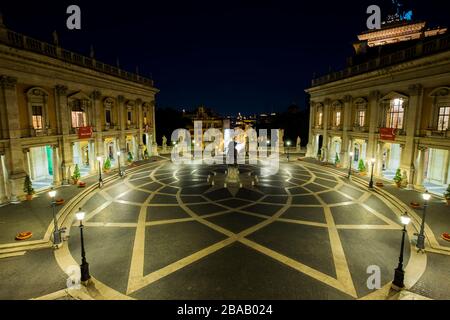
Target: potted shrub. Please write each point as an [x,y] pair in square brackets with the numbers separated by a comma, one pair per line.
[398,178]
[76,175]
[107,165]
[28,188]
[447,195]
[362,167]
[337,161]
[130,157]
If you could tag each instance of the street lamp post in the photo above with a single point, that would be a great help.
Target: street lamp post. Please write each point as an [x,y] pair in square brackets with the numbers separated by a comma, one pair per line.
[84,267]
[350,165]
[399,272]
[421,237]
[371,176]
[288,147]
[56,232]
[120,168]
[100,180]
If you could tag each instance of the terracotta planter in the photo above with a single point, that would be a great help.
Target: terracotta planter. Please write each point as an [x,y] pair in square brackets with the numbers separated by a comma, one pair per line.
[415,205]
[448,201]
[24,236]
[29,197]
[75,181]
[398,184]
[446,237]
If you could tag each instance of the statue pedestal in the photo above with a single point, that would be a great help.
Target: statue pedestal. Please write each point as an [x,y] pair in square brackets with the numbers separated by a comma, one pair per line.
[232,175]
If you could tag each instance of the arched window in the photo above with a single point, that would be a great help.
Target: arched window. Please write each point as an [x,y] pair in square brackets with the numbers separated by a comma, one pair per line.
[38,109]
[319,116]
[336,108]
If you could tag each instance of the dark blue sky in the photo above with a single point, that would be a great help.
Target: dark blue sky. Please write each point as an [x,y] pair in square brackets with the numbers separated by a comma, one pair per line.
[233,56]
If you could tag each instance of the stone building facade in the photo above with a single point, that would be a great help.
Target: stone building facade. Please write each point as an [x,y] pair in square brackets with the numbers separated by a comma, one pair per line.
[391,104]
[59,109]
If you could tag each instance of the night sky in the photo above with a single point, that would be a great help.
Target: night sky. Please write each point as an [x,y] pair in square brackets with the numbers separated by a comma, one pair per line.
[232,56]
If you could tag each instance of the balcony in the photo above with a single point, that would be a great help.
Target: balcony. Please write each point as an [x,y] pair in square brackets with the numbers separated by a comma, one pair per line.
[20,41]
[434,133]
[421,49]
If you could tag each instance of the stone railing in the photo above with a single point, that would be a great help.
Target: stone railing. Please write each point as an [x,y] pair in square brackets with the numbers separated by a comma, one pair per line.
[421,49]
[20,41]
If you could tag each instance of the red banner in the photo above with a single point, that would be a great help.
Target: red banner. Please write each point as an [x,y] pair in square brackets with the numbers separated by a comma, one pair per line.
[387,134]
[85,133]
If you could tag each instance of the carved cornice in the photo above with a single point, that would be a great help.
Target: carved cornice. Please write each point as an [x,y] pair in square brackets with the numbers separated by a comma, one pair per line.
[96,95]
[8,82]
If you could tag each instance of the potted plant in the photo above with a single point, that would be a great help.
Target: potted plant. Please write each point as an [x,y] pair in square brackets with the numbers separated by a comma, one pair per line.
[447,195]
[398,178]
[362,167]
[107,165]
[76,175]
[28,188]
[130,157]
[337,161]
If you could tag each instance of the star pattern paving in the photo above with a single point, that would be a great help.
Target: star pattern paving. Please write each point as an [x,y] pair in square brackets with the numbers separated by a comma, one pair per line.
[164,219]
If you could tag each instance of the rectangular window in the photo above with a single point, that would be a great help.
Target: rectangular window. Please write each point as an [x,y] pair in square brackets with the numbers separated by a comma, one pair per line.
[37,118]
[444,117]
[320,119]
[338,119]
[395,115]
[362,118]
[108,117]
[78,119]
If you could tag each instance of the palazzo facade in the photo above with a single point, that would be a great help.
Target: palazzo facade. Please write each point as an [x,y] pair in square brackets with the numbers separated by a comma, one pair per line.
[391,104]
[59,109]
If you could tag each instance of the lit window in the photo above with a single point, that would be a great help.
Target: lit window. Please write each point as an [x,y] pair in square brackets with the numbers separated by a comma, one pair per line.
[443,120]
[396,114]
[78,115]
[145,118]
[338,119]
[362,118]
[320,118]
[37,117]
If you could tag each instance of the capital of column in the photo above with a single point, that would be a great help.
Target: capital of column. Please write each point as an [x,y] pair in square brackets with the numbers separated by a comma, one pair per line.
[415,89]
[8,82]
[138,102]
[96,95]
[61,90]
[120,99]
[348,98]
[375,94]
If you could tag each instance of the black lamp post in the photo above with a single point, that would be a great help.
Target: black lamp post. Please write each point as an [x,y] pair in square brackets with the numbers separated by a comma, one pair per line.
[350,165]
[84,267]
[399,272]
[56,231]
[421,237]
[288,147]
[100,180]
[371,176]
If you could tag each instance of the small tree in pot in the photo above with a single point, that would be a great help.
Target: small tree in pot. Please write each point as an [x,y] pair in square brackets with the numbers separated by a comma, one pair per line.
[398,178]
[107,165]
[362,167]
[28,188]
[76,174]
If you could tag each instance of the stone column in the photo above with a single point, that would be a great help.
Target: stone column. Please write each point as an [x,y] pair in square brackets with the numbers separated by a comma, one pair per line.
[17,176]
[122,123]
[325,144]
[99,147]
[311,139]
[373,105]
[379,157]
[92,159]
[3,193]
[56,166]
[446,164]
[139,127]
[347,126]
[420,168]
[407,159]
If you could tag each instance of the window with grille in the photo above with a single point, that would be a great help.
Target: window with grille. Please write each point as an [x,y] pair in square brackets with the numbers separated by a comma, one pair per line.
[395,116]
[37,118]
[443,118]
[362,118]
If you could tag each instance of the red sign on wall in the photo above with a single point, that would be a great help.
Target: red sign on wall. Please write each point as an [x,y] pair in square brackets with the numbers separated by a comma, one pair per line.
[387,134]
[85,133]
